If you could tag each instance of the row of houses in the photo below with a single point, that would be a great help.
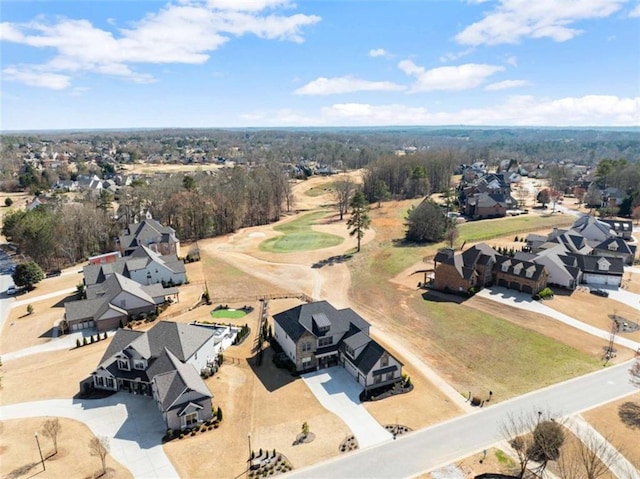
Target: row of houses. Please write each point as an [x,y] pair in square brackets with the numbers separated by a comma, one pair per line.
[137,280]
[165,362]
[590,252]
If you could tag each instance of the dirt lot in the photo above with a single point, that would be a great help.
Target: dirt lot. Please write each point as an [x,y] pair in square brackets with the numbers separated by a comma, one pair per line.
[21,459]
[608,421]
[595,310]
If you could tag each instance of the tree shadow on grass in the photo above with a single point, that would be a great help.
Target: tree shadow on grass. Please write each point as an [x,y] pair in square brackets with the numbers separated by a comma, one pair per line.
[270,376]
[629,414]
[332,260]
[22,470]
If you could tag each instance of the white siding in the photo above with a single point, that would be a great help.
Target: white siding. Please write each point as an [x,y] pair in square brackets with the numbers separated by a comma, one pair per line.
[601,279]
[158,272]
[207,352]
[288,346]
[392,362]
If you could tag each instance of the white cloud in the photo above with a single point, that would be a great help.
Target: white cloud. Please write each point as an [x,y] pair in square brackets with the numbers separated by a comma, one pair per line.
[185,33]
[449,56]
[462,77]
[511,60]
[247,5]
[513,20]
[33,77]
[346,84]
[503,85]
[590,110]
[635,12]
[378,52]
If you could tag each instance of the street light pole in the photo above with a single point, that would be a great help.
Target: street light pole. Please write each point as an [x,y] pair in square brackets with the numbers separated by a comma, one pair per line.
[250,450]
[40,451]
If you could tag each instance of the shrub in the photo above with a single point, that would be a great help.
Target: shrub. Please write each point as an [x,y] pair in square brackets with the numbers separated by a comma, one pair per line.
[84,341]
[546,293]
[219,414]
[475,401]
[29,309]
[8,202]
[104,335]
[78,344]
[92,340]
[181,436]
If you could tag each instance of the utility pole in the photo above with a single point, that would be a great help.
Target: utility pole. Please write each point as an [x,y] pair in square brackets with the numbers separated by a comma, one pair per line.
[40,451]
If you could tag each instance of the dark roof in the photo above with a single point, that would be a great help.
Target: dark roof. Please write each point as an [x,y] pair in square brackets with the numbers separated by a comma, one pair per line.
[619,245]
[146,232]
[119,341]
[589,264]
[369,356]
[357,340]
[296,321]
[83,309]
[181,379]
[183,340]
[519,268]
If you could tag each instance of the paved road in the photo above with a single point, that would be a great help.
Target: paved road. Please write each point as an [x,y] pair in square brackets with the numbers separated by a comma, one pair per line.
[133,425]
[453,440]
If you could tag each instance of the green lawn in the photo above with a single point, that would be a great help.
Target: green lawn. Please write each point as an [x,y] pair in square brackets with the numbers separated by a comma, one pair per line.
[228,313]
[487,229]
[298,236]
[498,354]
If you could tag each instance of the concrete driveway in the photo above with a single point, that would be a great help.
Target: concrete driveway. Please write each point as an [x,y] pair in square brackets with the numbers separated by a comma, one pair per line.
[133,425]
[523,301]
[338,392]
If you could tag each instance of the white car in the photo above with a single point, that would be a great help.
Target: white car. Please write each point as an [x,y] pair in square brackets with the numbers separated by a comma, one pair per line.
[11,290]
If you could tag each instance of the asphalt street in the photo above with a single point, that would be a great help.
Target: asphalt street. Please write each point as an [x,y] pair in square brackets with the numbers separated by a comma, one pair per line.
[458,438]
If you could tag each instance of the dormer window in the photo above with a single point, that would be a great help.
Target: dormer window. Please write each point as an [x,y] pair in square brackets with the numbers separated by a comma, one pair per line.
[529,271]
[505,266]
[517,268]
[603,264]
[613,246]
[123,364]
[139,364]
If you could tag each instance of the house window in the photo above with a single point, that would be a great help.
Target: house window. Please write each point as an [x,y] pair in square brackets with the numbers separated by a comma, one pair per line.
[191,418]
[349,351]
[109,383]
[99,380]
[384,360]
[389,376]
[377,379]
[306,347]
[138,364]
[328,341]
[306,363]
[123,364]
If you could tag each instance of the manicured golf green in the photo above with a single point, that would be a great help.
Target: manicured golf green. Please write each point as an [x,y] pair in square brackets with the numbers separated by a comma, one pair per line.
[228,313]
[298,236]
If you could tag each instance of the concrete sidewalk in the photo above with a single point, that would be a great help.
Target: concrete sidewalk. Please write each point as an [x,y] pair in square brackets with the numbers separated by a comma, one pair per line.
[338,392]
[133,425]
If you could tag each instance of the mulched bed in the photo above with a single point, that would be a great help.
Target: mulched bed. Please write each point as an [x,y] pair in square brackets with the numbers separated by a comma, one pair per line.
[349,444]
[399,387]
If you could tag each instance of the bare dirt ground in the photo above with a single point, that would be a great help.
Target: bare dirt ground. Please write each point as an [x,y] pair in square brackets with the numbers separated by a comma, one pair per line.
[595,310]
[21,459]
[54,375]
[608,421]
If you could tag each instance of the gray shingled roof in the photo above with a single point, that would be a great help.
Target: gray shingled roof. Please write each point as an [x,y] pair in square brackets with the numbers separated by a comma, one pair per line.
[83,309]
[297,320]
[172,384]
[119,341]
[145,231]
[183,340]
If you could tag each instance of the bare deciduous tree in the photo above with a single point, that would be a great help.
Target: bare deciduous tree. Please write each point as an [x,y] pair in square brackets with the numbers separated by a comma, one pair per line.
[343,190]
[589,457]
[99,447]
[533,437]
[635,373]
[51,428]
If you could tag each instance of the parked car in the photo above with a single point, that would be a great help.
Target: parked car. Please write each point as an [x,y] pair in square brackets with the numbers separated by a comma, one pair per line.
[600,292]
[55,272]
[11,290]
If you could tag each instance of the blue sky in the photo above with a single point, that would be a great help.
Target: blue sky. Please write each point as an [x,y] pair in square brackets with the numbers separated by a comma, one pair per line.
[265,63]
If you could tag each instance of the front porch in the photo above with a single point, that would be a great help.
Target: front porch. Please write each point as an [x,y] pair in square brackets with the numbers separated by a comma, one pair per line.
[134,387]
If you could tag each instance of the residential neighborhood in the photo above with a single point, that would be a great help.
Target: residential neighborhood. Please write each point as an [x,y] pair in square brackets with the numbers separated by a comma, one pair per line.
[277,347]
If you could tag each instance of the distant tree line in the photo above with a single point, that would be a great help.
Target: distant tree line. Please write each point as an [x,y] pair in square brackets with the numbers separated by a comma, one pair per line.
[409,176]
